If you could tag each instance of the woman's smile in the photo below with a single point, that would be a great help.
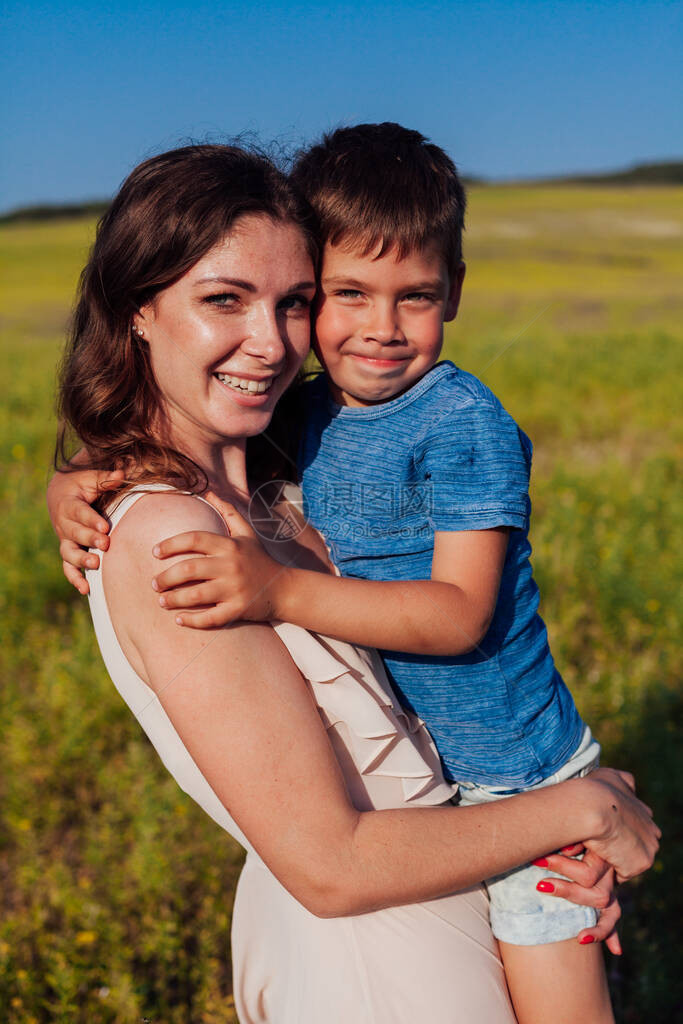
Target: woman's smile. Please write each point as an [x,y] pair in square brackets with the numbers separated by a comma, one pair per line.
[246,391]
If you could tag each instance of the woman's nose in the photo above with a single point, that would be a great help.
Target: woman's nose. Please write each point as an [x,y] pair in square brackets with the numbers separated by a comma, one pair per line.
[265,339]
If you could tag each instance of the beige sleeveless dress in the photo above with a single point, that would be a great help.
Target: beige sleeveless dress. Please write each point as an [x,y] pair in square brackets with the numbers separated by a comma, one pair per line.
[427,963]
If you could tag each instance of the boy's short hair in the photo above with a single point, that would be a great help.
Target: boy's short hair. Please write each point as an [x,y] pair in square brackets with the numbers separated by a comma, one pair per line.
[383,185]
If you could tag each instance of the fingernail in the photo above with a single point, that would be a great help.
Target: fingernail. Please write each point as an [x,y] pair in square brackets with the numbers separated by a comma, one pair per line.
[565,848]
[586,939]
[541,862]
[155,550]
[155,585]
[162,601]
[179,621]
[545,887]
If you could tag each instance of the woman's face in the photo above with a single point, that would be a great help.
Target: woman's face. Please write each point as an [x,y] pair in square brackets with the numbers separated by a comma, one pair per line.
[228,337]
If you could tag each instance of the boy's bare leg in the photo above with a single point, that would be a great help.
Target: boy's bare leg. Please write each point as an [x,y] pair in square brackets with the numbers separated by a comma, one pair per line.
[560,982]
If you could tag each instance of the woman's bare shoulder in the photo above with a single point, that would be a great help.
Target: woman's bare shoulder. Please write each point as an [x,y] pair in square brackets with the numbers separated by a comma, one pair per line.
[161,514]
[148,633]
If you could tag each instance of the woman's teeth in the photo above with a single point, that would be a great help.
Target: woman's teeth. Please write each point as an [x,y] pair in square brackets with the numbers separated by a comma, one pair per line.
[253,387]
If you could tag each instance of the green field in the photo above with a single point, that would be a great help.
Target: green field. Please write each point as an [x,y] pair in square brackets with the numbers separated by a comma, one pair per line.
[115,889]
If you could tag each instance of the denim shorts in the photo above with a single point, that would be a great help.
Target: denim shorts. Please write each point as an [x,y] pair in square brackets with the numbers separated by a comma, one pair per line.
[519,913]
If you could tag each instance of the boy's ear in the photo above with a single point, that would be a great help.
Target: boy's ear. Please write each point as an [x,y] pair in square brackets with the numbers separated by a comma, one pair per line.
[454,293]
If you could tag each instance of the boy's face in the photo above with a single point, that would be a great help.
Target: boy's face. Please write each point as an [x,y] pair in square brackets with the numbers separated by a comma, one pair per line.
[379,322]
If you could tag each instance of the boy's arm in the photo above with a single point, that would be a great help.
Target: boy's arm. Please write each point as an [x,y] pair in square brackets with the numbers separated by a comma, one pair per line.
[477,463]
[447,615]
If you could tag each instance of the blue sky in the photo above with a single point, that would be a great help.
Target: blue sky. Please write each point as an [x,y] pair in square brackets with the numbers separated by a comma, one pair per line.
[509,89]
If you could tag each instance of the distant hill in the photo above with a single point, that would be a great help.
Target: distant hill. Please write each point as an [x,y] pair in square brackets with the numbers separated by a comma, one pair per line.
[669,172]
[664,173]
[55,211]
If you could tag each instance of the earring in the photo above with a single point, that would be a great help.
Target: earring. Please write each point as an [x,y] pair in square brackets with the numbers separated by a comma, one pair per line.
[137,330]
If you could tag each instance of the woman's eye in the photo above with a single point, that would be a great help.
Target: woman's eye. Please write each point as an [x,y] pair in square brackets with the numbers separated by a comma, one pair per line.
[296,304]
[348,293]
[222,299]
[419,297]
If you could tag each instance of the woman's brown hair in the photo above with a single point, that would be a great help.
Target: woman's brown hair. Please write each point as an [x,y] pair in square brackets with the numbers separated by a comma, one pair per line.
[169,212]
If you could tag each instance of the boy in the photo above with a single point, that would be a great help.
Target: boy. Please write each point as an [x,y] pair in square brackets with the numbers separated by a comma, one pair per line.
[418,479]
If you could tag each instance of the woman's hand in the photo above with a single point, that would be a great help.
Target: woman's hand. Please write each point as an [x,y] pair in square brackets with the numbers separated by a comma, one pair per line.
[625,845]
[627,837]
[236,580]
[78,526]
[589,882]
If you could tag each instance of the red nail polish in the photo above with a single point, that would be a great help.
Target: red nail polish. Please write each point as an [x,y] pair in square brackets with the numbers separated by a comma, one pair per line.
[541,862]
[565,848]
[586,939]
[545,887]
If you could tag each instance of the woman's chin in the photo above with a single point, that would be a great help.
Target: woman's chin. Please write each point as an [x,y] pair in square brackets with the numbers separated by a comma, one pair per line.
[247,422]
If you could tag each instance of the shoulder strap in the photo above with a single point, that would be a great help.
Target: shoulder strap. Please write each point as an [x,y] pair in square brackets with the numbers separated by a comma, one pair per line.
[120,505]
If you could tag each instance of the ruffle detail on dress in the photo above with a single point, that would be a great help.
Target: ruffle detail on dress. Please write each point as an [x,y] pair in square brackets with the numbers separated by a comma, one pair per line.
[350,689]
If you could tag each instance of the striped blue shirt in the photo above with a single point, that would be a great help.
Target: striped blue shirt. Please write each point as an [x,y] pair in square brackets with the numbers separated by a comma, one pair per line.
[378,482]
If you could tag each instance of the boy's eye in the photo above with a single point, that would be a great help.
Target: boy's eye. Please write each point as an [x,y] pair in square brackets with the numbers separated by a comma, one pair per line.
[348,293]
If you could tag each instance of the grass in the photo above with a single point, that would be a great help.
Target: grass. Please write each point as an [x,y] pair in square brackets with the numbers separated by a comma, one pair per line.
[116,890]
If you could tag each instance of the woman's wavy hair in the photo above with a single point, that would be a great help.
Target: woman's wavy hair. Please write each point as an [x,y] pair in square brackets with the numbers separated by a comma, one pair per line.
[169,212]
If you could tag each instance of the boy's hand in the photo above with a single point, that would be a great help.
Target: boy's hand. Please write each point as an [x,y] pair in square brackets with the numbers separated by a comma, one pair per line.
[238,579]
[78,526]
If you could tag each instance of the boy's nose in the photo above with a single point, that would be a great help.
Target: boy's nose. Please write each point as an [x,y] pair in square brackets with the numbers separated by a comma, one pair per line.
[382,325]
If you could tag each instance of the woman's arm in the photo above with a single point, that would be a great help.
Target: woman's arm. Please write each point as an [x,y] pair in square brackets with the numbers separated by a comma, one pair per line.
[248,719]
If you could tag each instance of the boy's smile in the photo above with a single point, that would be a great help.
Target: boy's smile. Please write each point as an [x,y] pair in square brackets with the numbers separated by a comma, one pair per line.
[379,323]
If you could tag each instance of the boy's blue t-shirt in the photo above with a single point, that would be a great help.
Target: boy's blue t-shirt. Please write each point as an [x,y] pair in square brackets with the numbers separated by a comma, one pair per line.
[378,482]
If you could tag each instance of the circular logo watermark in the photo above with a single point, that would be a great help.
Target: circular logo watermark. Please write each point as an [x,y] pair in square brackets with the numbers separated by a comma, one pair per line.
[276,511]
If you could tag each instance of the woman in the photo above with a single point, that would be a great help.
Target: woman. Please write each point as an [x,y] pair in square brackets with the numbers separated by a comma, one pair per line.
[192,321]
